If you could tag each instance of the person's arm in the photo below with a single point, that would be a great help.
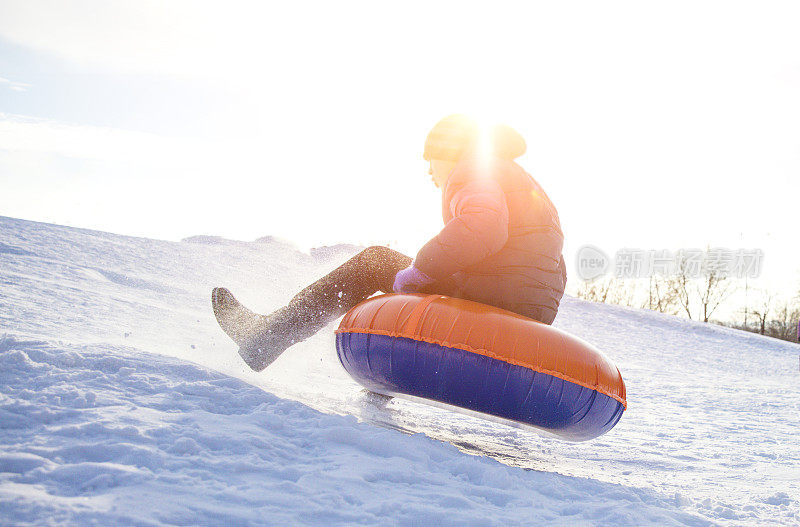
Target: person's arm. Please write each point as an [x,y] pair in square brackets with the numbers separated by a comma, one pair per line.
[479,228]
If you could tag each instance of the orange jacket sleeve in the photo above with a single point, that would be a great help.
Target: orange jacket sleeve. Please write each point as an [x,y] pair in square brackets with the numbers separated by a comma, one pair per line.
[477,230]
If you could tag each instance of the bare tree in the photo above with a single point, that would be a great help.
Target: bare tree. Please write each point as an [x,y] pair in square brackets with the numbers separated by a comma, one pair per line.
[763,310]
[678,286]
[712,291]
[597,290]
[784,324]
[624,293]
[661,296]
[691,284]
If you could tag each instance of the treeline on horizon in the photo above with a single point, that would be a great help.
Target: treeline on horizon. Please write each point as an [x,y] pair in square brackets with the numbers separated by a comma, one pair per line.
[763,311]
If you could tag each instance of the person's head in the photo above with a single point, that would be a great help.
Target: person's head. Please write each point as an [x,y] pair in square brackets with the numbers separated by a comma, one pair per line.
[458,135]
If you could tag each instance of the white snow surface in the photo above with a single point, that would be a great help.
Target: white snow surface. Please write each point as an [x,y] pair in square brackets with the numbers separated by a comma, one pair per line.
[121,402]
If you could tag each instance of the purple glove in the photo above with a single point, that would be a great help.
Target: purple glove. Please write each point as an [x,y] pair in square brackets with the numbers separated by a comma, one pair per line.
[410,280]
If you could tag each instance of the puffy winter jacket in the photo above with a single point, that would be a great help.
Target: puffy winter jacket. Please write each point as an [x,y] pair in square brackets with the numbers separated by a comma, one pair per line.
[502,241]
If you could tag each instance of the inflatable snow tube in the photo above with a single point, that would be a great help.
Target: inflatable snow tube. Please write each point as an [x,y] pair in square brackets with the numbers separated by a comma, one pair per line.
[477,358]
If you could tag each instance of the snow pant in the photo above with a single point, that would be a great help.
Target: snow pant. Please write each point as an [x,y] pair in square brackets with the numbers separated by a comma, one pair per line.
[333,295]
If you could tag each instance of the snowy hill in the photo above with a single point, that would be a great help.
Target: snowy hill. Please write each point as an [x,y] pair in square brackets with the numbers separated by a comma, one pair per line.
[122,402]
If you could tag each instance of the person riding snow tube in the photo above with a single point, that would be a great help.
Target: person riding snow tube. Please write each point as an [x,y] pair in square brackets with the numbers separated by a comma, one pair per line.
[500,245]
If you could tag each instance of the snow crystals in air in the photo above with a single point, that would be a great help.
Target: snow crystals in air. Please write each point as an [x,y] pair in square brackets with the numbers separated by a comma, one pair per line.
[121,402]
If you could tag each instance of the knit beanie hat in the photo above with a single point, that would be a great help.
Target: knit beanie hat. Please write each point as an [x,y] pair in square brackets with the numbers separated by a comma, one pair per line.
[457,134]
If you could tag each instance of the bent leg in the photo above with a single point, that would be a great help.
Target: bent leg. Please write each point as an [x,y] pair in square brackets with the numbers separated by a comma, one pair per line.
[330,297]
[262,338]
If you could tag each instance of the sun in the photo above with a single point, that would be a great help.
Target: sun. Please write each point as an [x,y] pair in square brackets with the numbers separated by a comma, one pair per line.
[487,121]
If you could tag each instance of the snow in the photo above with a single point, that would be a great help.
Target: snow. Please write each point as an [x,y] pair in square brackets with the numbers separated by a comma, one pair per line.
[121,402]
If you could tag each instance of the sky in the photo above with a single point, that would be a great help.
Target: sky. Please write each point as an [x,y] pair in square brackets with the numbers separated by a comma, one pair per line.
[651,125]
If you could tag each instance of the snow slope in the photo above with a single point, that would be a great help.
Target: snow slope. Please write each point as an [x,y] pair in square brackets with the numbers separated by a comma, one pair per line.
[122,402]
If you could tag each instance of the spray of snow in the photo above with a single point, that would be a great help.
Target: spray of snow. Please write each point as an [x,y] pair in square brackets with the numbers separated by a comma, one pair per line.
[122,402]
